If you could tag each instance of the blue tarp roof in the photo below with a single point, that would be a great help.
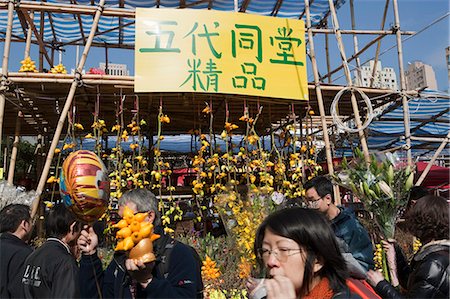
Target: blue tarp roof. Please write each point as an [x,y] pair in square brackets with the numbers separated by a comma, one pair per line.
[429,117]
[66,27]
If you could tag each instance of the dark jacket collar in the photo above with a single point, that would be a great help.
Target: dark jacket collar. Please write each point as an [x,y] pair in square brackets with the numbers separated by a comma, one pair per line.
[431,247]
[11,237]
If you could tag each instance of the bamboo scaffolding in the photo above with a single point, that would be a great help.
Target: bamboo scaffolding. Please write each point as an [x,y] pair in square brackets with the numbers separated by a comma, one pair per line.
[377,52]
[320,99]
[403,84]
[66,108]
[39,38]
[361,134]
[355,45]
[436,154]
[429,139]
[72,9]
[29,36]
[327,54]
[5,69]
[12,161]
[354,56]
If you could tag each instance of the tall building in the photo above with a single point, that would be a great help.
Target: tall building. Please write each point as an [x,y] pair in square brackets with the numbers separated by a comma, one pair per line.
[384,77]
[115,69]
[420,75]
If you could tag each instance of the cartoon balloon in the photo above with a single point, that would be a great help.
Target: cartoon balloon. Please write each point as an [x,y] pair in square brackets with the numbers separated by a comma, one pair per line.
[84,185]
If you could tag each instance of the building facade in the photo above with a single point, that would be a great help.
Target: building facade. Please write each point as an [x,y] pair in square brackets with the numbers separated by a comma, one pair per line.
[384,78]
[420,75]
[115,69]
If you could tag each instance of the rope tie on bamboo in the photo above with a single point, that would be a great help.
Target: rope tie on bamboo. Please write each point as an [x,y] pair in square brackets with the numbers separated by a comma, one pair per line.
[5,83]
[337,120]
[78,78]
[100,8]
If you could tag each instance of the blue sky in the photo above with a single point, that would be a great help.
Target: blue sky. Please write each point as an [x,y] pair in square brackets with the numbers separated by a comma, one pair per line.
[428,46]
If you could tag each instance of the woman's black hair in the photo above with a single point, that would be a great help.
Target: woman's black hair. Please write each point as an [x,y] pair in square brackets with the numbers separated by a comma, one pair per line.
[428,219]
[59,220]
[312,232]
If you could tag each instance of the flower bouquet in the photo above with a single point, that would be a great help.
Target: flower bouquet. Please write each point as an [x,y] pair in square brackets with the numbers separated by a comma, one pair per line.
[383,187]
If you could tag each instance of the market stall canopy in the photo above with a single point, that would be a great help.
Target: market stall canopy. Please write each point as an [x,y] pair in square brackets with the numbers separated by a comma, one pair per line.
[429,123]
[438,177]
[61,29]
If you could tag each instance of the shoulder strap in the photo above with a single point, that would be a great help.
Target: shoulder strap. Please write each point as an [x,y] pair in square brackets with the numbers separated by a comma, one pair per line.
[164,258]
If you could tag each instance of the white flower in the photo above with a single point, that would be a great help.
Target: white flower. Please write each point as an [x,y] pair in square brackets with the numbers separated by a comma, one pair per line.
[277,198]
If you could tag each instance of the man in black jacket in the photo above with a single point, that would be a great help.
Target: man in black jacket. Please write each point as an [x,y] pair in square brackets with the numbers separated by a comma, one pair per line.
[353,239]
[175,274]
[15,228]
[52,271]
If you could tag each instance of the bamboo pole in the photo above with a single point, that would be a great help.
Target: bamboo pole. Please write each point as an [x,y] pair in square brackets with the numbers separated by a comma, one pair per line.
[40,38]
[362,32]
[320,99]
[436,154]
[354,56]
[12,161]
[377,52]
[66,108]
[5,70]
[362,136]
[327,54]
[429,139]
[355,46]
[29,35]
[403,84]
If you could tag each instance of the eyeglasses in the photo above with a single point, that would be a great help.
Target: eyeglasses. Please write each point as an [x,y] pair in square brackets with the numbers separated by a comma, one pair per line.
[313,203]
[281,254]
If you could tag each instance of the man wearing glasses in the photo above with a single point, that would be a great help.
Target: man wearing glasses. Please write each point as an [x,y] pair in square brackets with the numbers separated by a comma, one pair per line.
[352,236]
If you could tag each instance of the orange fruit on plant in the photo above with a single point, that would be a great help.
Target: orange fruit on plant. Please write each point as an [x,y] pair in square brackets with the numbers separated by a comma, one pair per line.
[136,237]
[119,246]
[135,226]
[121,224]
[146,229]
[123,233]
[139,217]
[128,214]
[128,243]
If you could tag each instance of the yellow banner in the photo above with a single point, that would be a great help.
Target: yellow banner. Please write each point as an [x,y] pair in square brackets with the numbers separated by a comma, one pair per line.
[184,50]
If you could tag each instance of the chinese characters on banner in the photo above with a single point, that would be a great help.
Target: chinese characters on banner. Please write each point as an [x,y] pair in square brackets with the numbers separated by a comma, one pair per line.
[182,50]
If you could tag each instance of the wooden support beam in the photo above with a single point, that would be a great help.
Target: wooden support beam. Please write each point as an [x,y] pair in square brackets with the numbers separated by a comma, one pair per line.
[337,30]
[74,42]
[403,84]
[66,108]
[354,56]
[276,8]
[37,35]
[12,161]
[436,154]
[377,52]
[244,6]
[5,62]
[318,90]
[80,23]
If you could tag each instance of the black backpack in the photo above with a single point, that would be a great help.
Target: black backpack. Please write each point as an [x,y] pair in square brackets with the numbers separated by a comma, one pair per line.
[163,262]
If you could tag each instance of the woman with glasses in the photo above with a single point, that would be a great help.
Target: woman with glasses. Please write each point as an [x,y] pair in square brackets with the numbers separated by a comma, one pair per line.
[298,251]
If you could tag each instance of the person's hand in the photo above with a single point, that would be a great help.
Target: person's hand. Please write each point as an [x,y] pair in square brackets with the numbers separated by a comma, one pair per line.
[256,288]
[280,287]
[374,277]
[141,272]
[388,246]
[88,241]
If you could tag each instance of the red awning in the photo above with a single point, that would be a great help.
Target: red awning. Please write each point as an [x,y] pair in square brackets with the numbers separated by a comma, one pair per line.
[437,177]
